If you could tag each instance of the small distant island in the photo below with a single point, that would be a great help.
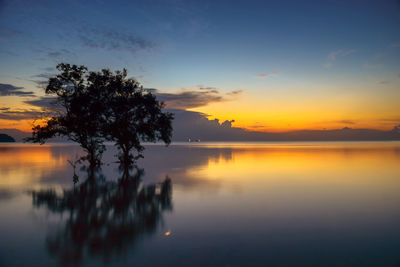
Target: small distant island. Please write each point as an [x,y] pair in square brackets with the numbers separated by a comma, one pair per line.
[5,138]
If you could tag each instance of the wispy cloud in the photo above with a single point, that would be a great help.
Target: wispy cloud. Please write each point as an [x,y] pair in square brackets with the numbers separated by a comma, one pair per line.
[390,121]
[44,102]
[383,82]
[398,75]
[335,55]
[235,92]
[192,98]
[43,75]
[184,99]
[42,79]
[17,115]
[49,69]
[347,122]
[11,90]
[267,75]
[46,105]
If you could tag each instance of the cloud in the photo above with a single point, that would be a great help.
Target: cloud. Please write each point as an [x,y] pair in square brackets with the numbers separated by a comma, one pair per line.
[3,109]
[336,54]
[266,75]
[19,114]
[190,99]
[111,40]
[43,75]
[44,102]
[235,92]
[210,89]
[11,90]
[398,75]
[42,79]
[347,121]
[184,99]
[193,98]
[196,125]
[49,69]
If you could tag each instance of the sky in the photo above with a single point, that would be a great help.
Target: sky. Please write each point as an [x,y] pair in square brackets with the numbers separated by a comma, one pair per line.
[270,66]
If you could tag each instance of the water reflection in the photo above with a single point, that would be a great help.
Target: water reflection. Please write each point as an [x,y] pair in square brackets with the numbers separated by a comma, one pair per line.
[104,218]
[309,204]
[21,165]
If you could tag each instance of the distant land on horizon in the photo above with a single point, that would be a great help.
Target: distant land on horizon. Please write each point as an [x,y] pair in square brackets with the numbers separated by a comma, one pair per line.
[5,138]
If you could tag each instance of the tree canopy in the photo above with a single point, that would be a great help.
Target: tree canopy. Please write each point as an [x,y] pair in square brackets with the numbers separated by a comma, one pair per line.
[132,115]
[104,106]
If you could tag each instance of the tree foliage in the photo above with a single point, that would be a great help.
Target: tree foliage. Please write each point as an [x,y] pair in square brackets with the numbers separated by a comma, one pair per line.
[132,115]
[105,105]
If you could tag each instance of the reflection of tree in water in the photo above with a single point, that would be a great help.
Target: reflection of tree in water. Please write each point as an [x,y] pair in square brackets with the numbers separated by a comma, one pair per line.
[104,217]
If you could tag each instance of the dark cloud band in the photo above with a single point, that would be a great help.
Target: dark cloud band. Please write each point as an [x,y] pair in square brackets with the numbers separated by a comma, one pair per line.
[11,90]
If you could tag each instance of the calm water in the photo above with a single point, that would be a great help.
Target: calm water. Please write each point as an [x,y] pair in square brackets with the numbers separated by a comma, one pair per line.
[240,204]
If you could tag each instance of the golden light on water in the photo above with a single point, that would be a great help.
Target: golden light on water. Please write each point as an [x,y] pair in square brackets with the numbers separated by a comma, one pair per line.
[313,168]
[24,164]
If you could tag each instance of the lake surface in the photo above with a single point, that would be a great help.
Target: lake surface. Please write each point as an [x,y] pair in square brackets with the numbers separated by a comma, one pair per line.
[228,204]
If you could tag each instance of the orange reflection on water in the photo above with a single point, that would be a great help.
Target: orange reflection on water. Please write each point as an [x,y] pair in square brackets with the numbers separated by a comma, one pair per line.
[338,184]
[23,164]
[311,169]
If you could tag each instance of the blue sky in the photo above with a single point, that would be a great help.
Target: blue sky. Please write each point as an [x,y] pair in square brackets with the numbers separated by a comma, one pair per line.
[263,48]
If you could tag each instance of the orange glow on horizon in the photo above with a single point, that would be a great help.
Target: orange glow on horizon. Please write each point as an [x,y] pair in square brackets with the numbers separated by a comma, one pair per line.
[294,108]
[254,125]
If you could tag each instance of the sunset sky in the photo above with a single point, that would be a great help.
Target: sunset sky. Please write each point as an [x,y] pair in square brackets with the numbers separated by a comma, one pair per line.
[268,65]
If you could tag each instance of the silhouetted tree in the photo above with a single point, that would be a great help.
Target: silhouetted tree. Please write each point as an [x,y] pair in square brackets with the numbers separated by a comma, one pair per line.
[104,105]
[81,116]
[132,115]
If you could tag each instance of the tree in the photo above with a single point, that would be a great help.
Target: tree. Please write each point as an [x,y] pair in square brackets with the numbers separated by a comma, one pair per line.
[80,118]
[133,115]
[105,105]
